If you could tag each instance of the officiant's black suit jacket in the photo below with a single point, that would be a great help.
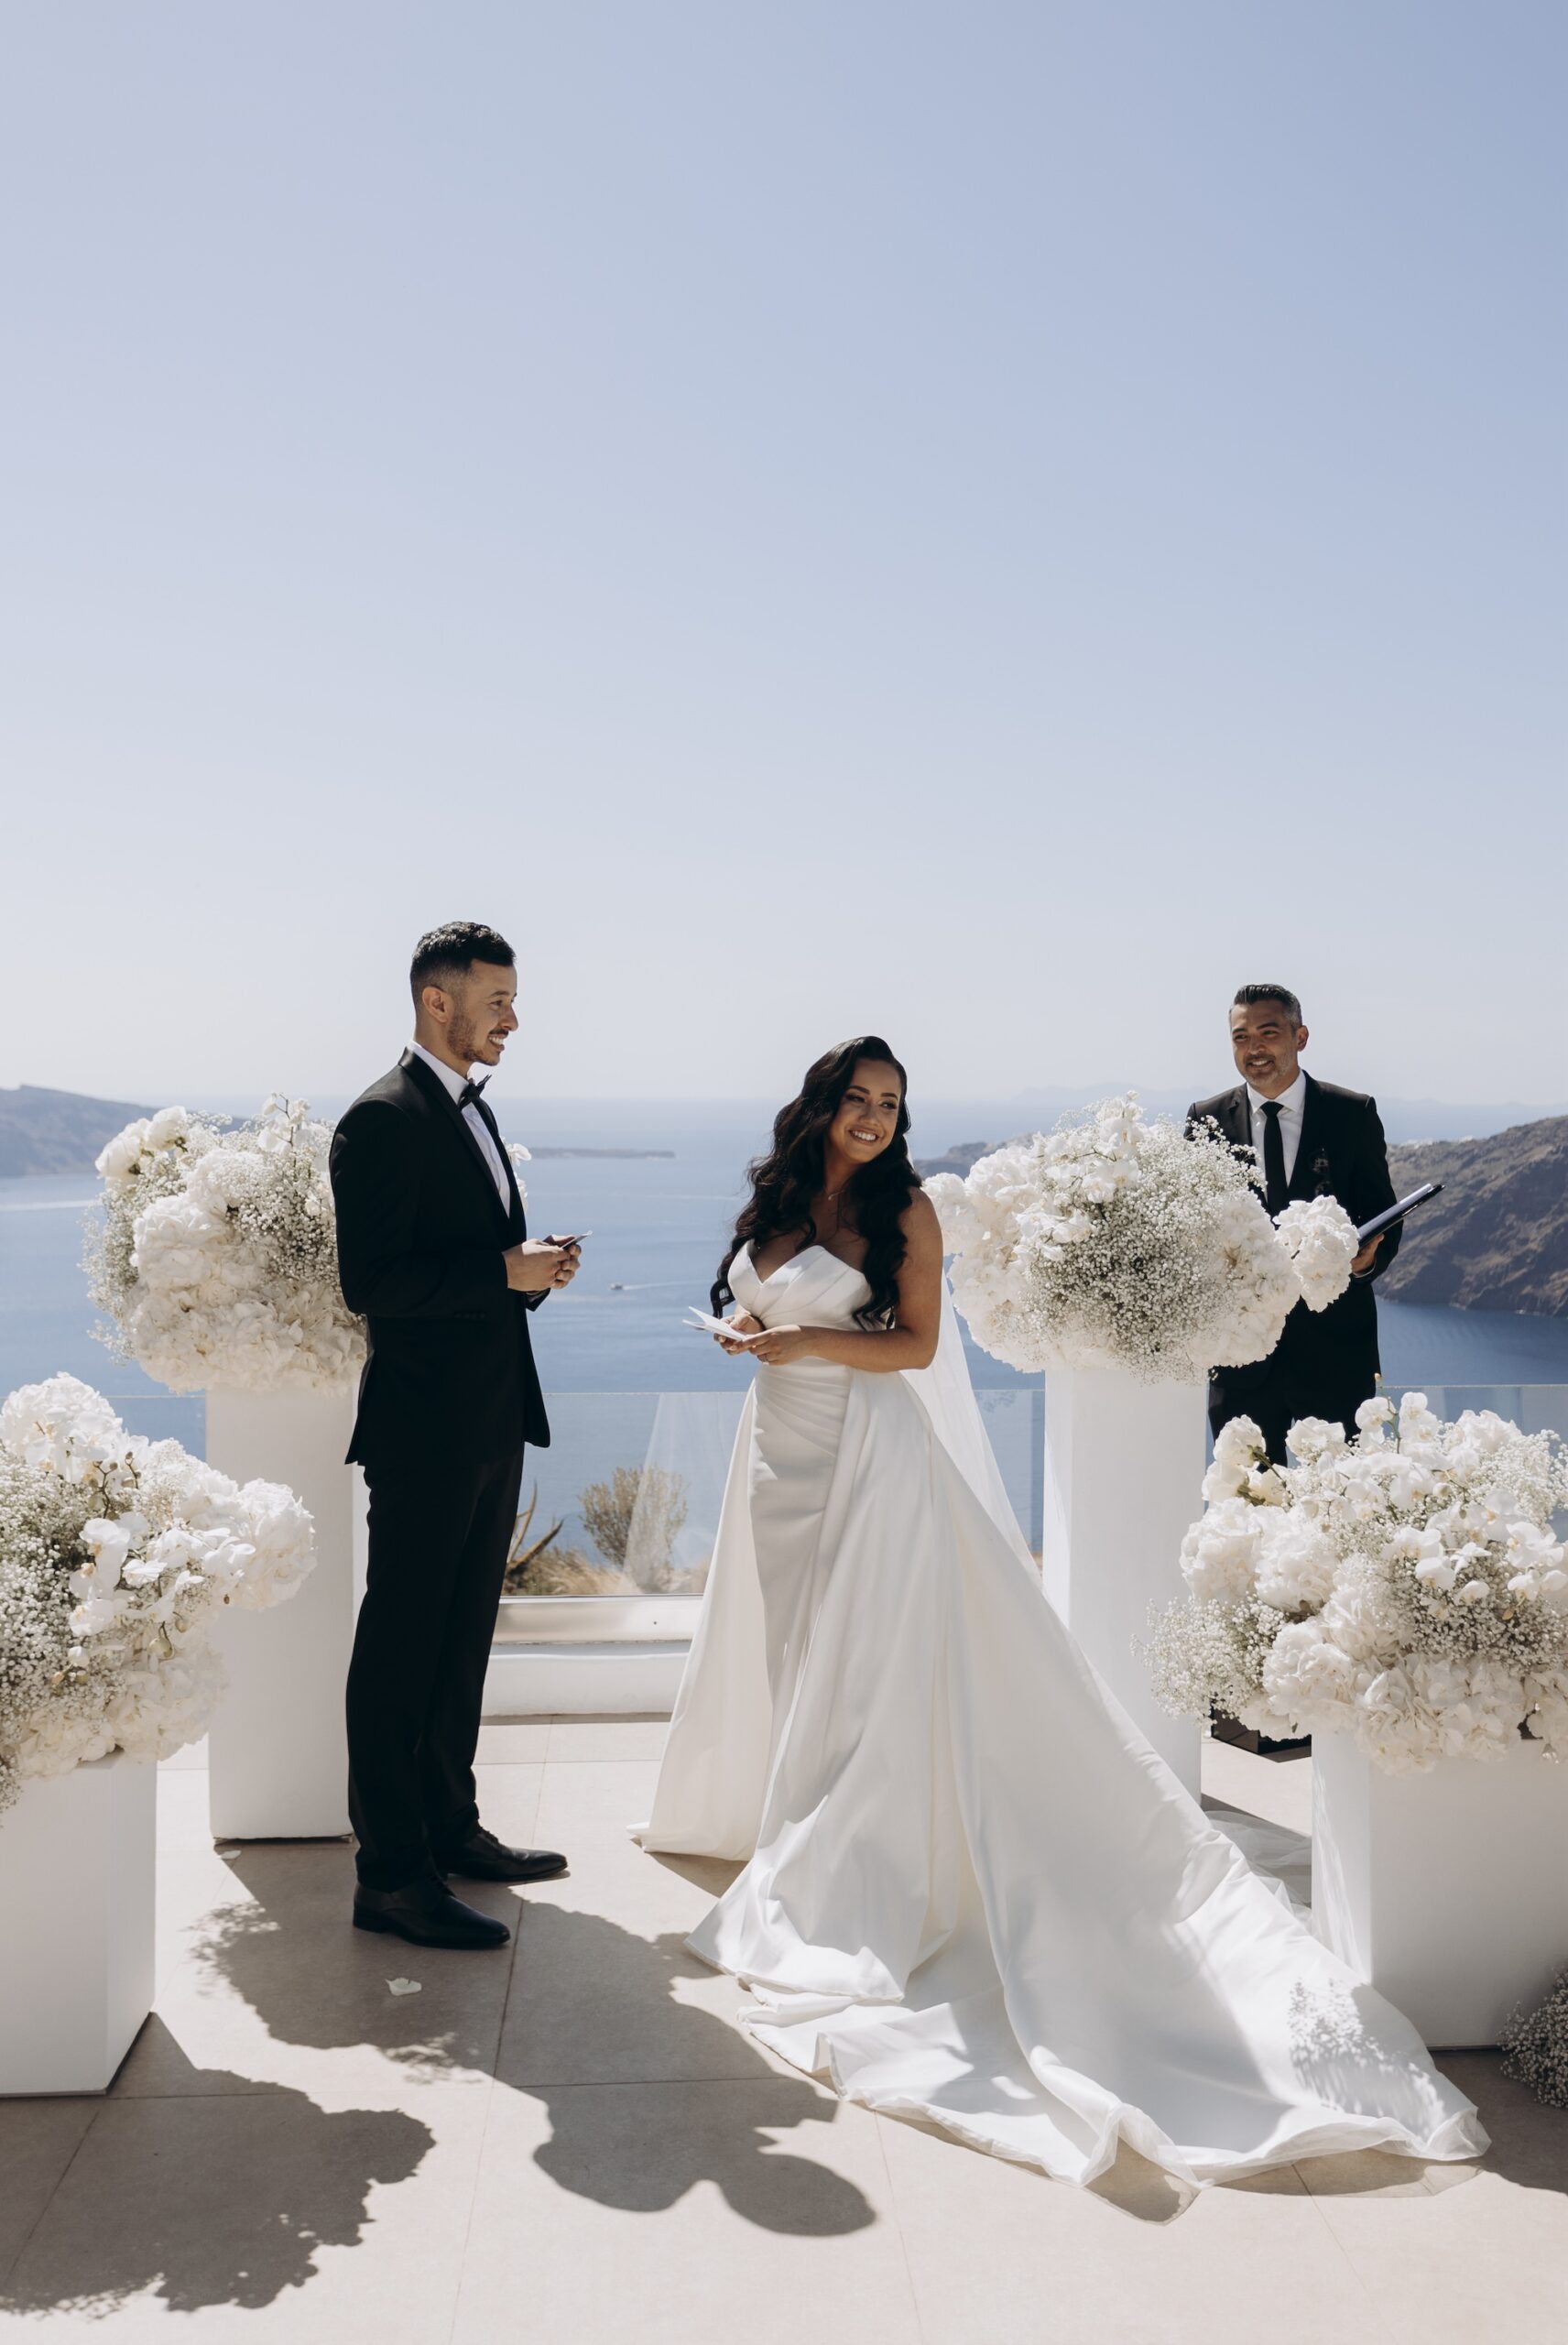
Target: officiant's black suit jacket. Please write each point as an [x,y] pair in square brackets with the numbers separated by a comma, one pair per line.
[1329,1358]
[421,1231]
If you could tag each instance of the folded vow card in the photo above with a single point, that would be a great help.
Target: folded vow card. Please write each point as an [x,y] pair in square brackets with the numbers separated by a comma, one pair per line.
[707,1325]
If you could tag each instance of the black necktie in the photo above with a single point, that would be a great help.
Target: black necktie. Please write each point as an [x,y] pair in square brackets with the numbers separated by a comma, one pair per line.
[1275,1188]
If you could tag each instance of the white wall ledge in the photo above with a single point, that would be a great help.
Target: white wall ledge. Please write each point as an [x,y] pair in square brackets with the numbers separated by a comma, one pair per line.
[533,1681]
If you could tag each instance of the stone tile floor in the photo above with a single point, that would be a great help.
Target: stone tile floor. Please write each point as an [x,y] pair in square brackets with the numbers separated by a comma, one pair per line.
[573,2141]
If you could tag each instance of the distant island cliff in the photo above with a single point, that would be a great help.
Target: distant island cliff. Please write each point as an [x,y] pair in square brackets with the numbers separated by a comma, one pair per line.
[1497,1239]
[62,1131]
[56,1132]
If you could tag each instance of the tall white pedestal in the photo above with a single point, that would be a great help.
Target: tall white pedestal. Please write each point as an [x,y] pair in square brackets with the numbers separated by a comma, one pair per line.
[1124,1471]
[1447,1891]
[279,1748]
[77,1858]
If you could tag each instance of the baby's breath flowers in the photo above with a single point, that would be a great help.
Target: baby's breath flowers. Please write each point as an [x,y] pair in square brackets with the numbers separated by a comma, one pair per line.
[1405,1587]
[1114,1242]
[216,1259]
[1536,2046]
[115,1554]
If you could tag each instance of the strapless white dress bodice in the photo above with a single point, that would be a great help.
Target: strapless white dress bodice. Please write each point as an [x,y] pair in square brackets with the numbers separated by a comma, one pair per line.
[813,1289]
[971,1892]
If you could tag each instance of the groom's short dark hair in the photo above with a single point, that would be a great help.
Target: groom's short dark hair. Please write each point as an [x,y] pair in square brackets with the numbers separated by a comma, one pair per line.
[451,952]
[1246,995]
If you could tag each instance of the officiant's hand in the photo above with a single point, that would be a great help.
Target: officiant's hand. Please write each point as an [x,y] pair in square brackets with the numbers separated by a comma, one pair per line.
[537,1265]
[1368,1256]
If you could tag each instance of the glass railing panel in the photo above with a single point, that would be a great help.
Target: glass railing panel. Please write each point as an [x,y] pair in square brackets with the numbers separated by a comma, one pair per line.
[164,1416]
[1534,1408]
[625,1502]
[621,1513]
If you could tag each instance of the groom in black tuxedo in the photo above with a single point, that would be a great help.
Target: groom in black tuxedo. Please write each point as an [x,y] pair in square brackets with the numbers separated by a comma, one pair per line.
[434,1251]
[1311,1139]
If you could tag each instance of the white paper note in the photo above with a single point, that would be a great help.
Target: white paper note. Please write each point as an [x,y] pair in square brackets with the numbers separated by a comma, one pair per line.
[705,1323]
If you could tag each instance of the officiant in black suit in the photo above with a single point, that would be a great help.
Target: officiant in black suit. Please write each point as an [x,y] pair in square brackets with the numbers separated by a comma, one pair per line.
[433,1250]
[1312,1139]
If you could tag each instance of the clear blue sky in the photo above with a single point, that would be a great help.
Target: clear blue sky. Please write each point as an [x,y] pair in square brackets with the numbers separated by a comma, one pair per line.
[992,521]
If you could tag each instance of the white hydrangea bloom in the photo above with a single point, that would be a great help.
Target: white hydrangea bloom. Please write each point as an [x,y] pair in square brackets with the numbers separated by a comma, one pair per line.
[115,1555]
[1220,1553]
[1297,1563]
[1407,1588]
[1320,1238]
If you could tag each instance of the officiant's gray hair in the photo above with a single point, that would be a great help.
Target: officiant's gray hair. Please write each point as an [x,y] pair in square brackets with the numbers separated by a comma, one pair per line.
[451,952]
[1246,995]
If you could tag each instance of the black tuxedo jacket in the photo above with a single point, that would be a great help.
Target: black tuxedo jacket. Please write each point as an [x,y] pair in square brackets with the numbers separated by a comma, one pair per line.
[1343,1154]
[421,1230]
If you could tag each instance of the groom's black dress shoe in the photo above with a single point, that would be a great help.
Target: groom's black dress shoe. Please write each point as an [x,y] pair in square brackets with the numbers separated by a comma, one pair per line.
[481,1857]
[427,1913]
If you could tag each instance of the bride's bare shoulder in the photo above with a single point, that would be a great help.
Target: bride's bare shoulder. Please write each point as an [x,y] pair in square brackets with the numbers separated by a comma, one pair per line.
[918,1221]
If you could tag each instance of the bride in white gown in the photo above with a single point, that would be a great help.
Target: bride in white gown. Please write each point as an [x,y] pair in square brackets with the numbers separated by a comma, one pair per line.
[971,1892]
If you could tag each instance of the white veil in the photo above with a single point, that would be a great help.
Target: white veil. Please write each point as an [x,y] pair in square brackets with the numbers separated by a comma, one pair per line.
[946,1392]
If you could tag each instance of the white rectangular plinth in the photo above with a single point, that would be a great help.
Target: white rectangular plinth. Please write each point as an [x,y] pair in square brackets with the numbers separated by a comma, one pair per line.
[584,1681]
[1448,1890]
[279,1747]
[77,1858]
[1124,1471]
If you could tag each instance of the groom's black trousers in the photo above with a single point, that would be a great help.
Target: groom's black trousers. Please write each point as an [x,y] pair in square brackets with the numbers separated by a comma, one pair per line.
[439,1540]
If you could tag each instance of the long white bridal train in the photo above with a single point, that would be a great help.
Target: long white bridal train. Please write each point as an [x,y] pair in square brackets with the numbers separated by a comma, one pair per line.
[973,1893]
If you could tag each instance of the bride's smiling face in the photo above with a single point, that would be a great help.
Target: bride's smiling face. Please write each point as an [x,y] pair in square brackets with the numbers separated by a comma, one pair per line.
[867,1116]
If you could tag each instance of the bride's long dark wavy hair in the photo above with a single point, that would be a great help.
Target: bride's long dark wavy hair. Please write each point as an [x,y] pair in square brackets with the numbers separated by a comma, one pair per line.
[784,1182]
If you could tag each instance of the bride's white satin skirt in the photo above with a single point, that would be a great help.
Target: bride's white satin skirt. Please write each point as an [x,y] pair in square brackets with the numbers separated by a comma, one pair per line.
[973,1893]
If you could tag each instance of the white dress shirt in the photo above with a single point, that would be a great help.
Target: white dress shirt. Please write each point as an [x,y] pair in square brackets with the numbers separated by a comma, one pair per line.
[1290,1104]
[470,1115]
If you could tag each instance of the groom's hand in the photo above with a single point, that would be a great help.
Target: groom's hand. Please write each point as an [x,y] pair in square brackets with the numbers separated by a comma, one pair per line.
[535,1266]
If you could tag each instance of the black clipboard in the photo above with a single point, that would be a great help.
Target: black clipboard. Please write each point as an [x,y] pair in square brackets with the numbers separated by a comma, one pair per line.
[1381,1221]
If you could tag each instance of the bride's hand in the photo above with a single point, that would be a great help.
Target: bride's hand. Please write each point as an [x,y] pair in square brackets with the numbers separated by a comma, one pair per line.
[744,1324]
[777,1347]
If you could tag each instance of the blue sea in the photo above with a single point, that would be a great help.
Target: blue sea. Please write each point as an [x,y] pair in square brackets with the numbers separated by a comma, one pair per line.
[627,1380]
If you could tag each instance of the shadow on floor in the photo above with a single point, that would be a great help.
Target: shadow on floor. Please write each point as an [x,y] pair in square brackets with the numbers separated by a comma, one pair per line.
[648,2095]
[292,1954]
[216,2194]
[1530,2140]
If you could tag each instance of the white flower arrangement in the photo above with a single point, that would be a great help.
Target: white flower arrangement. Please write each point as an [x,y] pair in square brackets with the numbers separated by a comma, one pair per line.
[1404,1587]
[116,1555]
[1322,1242]
[217,1262]
[1536,2046]
[1115,1242]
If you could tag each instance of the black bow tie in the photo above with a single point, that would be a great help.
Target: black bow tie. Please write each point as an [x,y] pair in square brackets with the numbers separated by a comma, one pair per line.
[472,1094]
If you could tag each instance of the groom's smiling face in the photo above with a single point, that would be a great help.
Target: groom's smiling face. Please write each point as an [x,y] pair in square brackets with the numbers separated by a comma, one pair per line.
[479,1017]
